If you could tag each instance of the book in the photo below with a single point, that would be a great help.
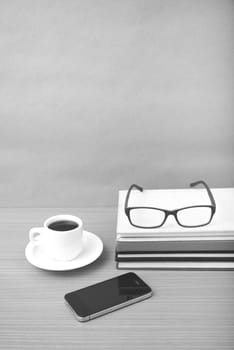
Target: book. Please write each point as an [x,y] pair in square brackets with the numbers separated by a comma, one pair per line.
[217,256]
[176,265]
[222,224]
[207,245]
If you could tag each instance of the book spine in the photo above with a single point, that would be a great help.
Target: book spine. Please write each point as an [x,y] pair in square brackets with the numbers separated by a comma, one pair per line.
[175,259]
[176,234]
[193,246]
[176,266]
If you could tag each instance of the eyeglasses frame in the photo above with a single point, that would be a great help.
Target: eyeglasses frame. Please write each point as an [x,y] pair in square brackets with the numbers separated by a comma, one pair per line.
[174,212]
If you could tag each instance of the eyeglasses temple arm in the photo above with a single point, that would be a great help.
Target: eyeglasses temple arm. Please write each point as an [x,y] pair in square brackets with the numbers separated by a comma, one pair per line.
[193,184]
[128,195]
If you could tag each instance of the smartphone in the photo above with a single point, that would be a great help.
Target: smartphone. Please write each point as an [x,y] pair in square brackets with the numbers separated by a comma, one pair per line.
[107,296]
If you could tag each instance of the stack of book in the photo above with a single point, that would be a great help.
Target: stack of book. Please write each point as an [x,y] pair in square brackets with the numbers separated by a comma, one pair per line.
[172,246]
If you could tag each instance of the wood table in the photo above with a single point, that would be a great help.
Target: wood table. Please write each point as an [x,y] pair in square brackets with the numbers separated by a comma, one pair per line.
[189,309]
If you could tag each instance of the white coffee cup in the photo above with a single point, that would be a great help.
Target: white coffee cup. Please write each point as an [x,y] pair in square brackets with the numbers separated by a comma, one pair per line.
[59,244]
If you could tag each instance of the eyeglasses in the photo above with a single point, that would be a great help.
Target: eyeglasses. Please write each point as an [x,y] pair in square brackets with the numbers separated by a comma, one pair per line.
[150,217]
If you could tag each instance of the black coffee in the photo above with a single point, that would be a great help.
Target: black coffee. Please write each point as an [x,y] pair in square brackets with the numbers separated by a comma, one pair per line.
[63,225]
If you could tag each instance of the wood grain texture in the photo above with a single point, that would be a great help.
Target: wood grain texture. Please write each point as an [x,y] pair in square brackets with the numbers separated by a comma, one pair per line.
[189,309]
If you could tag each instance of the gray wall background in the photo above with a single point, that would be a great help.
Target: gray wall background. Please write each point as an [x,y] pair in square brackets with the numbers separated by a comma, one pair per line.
[95,95]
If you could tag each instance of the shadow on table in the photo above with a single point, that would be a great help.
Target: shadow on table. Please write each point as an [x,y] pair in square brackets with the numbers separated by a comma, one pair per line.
[103,260]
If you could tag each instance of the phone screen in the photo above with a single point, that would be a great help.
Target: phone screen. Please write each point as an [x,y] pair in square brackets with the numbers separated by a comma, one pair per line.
[107,294]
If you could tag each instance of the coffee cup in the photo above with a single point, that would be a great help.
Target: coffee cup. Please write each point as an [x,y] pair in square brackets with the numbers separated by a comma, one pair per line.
[61,236]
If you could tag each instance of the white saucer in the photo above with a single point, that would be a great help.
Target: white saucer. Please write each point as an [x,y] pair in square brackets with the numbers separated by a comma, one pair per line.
[93,247]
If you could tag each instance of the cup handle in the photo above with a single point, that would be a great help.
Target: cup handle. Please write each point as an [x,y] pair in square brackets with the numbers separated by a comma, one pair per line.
[35,234]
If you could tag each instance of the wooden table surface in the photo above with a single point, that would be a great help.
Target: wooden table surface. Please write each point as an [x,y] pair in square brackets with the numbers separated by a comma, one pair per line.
[189,309]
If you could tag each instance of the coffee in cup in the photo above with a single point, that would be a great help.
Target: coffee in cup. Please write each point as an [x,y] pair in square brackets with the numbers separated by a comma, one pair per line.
[61,236]
[63,225]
